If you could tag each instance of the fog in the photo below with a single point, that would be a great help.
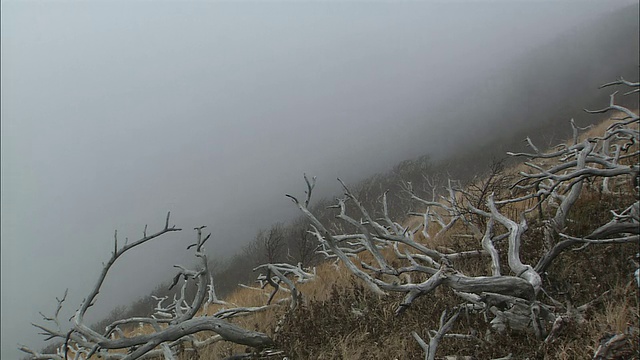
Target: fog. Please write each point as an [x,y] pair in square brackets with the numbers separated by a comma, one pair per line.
[114,113]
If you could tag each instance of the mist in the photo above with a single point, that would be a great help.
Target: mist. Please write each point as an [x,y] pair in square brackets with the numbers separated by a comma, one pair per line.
[114,113]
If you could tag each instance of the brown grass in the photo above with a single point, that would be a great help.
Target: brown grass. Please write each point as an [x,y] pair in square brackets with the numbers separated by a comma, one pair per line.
[576,278]
[340,319]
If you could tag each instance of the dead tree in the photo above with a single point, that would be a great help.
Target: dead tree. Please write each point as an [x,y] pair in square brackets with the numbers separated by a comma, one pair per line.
[301,245]
[271,242]
[174,323]
[510,297]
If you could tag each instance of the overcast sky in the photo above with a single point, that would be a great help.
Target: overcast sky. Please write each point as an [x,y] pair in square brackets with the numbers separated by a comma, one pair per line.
[114,113]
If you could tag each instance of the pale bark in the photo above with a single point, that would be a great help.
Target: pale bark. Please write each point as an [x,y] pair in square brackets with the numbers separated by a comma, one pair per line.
[172,324]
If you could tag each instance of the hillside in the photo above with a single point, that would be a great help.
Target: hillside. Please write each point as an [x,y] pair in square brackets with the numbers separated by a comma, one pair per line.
[341,318]
[533,97]
[468,254]
[454,283]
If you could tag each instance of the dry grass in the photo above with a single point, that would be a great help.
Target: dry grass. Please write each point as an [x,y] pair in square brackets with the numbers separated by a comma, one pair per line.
[340,319]
[576,278]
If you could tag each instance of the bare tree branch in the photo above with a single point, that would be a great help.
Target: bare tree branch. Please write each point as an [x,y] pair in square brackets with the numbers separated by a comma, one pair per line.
[173,324]
[436,336]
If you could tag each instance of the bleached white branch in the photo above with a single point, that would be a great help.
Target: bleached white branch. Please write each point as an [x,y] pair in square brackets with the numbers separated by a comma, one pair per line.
[172,324]
[436,336]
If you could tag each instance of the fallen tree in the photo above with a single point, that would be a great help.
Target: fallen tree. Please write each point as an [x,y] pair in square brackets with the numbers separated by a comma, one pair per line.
[510,293]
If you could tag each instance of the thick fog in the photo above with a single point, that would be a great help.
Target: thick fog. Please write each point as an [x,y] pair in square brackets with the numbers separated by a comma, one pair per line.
[114,113]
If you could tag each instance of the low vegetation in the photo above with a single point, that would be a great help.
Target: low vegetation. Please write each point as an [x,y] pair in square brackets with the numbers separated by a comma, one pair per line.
[537,260]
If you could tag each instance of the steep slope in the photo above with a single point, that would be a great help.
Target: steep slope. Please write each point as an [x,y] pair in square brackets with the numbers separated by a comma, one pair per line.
[335,308]
[343,319]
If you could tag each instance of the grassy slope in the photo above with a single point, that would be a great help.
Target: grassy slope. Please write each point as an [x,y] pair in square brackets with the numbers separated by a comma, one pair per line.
[342,319]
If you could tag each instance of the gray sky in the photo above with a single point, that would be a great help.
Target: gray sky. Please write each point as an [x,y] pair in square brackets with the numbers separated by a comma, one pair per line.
[115,112]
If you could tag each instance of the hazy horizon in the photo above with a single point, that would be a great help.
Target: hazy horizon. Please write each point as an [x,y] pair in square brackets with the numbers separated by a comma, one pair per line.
[114,113]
